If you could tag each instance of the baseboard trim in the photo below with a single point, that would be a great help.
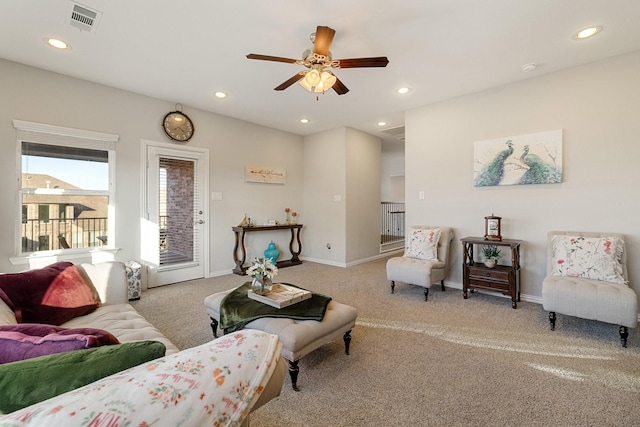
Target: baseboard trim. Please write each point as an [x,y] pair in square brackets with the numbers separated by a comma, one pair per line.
[523,297]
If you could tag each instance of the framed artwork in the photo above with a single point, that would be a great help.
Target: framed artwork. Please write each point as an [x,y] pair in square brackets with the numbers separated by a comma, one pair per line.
[265,174]
[534,158]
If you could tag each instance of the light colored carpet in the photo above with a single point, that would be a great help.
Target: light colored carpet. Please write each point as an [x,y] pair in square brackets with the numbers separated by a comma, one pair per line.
[444,362]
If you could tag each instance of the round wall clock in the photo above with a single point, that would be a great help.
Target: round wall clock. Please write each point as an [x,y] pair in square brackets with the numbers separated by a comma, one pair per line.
[178,126]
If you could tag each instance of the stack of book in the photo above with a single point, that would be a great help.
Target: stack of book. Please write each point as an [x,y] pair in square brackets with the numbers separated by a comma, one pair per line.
[281,295]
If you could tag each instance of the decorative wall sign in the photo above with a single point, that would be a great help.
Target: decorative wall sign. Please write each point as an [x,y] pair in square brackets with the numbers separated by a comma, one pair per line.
[534,158]
[265,174]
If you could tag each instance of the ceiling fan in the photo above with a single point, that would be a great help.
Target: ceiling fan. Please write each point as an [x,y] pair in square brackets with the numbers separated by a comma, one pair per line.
[318,78]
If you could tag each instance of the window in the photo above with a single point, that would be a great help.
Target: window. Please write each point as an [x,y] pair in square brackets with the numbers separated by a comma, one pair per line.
[66,189]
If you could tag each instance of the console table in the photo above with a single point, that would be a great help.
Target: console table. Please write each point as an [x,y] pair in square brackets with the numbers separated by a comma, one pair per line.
[240,231]
[502,278]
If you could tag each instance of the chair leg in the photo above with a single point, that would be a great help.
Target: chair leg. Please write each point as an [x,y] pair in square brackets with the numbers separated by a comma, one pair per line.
[442,285]
[214,327]
[552,319]
[426,294]
[624,334]
[393,286]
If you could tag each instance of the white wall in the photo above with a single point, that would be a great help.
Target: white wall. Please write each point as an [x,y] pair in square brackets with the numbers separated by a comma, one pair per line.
[596,105]
[39,96]
[324,180]
[392,175]
[362,196]
[342,196]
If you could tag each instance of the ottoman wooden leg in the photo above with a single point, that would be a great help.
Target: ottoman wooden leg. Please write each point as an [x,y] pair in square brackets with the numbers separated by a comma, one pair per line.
[214,327]
[293,372]
[552,319]
[624,334]
[347,341]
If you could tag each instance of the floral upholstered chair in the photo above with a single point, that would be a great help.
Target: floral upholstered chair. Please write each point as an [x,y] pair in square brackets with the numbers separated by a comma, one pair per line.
[425,260]
[587,278]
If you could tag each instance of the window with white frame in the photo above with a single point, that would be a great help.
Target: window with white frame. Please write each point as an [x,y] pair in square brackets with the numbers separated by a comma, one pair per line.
[65,190]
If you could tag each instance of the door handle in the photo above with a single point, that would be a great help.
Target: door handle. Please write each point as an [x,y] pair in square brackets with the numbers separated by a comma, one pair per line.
[200,221]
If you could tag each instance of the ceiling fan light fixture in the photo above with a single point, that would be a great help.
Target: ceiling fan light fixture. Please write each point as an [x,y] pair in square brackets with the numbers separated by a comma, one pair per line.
[312,78]
[318,81]
[327,80]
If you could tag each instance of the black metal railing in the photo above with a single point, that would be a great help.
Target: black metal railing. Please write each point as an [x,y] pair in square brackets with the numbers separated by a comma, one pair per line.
[392,222]
[51,234]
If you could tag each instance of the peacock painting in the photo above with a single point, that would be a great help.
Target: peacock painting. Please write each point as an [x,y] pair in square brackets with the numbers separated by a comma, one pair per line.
[493,173]
[539,171]
[525,159]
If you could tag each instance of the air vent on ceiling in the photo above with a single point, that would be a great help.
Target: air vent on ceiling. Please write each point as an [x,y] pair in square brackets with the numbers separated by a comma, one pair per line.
[397,132]
[84,18]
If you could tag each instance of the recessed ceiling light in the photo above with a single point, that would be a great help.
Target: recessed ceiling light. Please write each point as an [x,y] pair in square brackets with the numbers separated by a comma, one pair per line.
[403,90]
[219,94]
[382,123]
[304,121]
[587,32]
[59,44]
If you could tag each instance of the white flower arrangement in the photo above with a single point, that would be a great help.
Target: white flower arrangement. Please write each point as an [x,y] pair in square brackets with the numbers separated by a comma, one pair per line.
[262,267]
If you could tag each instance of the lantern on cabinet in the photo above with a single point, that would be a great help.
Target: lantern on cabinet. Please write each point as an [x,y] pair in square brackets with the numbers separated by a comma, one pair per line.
[492,227]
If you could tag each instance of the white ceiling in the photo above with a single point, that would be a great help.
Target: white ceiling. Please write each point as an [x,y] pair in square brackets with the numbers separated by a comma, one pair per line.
[183,51]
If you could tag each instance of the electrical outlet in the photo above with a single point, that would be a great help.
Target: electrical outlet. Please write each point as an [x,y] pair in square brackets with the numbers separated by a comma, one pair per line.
[328,245]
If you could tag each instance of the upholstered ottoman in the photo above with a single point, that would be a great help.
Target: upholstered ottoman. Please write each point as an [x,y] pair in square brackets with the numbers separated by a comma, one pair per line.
[298,337]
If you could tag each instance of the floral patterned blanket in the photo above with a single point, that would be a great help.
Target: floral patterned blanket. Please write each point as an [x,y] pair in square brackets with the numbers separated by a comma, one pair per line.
[215,384]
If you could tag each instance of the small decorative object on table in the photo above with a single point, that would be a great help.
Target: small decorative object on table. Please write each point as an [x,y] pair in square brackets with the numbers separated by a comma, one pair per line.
[287,210]
[281,296]
[262,271]
[491,255]
[294,214]
[492,228]
[244,222]
[272,253]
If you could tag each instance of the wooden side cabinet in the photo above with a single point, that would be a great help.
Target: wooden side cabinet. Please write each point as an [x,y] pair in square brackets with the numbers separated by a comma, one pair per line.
[502,278]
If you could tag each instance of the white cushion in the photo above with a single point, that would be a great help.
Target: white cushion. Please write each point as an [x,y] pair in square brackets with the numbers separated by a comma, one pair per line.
[591,299]
[123,321]
[422,243]
[595,258]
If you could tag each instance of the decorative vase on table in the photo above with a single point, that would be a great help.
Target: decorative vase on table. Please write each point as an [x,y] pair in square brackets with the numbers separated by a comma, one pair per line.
[261,285]
[262,271]
[272,253]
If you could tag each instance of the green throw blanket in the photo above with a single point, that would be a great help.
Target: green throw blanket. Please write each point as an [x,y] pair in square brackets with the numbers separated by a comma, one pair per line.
[237,309]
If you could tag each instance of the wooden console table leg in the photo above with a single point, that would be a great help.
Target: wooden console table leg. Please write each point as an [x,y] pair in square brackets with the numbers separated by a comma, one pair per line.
[295,254]
[239,269]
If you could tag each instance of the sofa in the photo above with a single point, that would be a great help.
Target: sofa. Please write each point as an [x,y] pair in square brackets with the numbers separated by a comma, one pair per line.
[210,375]
[115,314]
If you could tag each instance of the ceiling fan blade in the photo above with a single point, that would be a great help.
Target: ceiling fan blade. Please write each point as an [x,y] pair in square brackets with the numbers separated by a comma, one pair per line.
[378,61]
[324,38]
[271,58]
[339,87]
[289,82]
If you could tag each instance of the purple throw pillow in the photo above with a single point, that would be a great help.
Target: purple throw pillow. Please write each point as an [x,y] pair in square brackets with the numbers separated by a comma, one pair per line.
[24,341]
